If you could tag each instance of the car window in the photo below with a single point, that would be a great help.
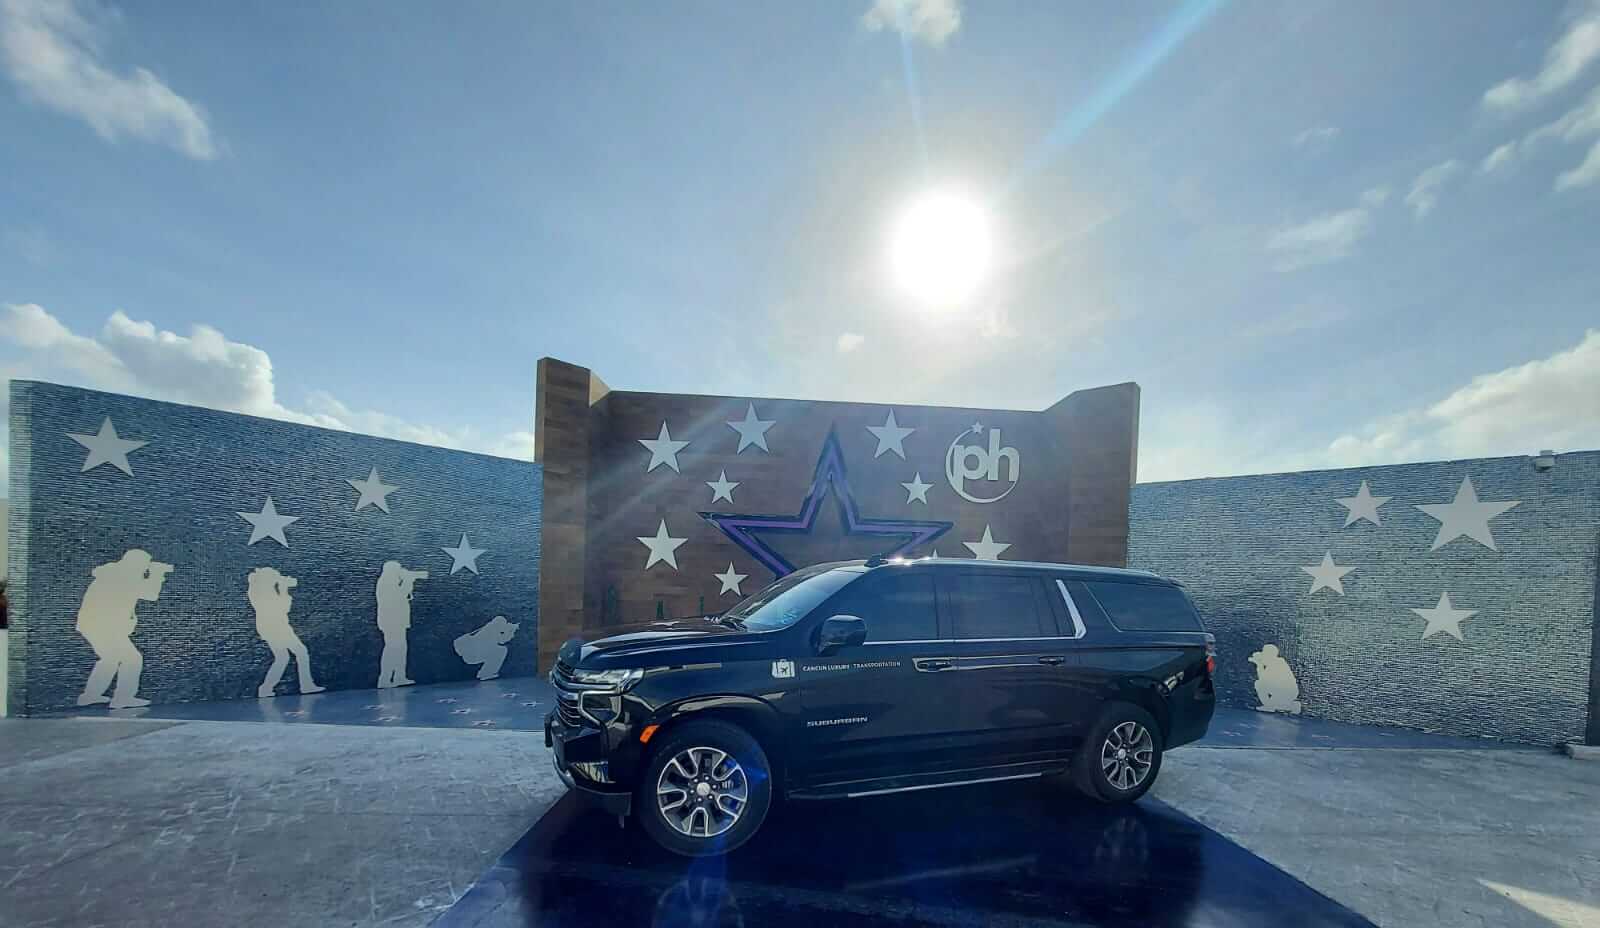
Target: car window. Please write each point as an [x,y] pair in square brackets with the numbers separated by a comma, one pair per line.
[895,607]
[788,599]
[1143,607]
[994,606]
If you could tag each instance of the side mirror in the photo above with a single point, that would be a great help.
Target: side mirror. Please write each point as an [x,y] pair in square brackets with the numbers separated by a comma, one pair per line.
[840,631]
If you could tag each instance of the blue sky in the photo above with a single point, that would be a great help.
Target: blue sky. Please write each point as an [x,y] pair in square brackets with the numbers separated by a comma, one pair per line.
[1317,234]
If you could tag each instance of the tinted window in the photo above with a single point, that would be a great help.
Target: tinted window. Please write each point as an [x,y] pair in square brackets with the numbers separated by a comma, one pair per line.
[1138,607]
[994,606]
[896,607]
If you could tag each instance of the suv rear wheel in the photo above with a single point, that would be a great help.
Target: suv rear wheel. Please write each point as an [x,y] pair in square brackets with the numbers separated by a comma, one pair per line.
[706,789]
[1121,755]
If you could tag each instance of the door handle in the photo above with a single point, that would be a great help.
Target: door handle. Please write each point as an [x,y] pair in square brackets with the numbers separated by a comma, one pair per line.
[932,664]
[1052,659]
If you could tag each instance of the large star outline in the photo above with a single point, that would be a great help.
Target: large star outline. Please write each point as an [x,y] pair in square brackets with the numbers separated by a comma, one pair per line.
[744,530]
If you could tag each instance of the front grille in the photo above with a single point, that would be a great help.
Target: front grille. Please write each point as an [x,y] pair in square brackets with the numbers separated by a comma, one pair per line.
[566,695]
[567,708]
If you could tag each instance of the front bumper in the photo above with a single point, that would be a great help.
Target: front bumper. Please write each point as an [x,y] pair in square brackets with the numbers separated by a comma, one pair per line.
[584,746]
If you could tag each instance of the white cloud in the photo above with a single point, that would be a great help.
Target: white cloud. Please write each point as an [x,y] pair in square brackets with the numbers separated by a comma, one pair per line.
[932,21]
[54,51]
[1576,124]
[1584,174]
[1424,194]
[1548,403]
[849,341]
[1316,136]
[1564,61]
[1326,238]
[205,368]
[1499,158]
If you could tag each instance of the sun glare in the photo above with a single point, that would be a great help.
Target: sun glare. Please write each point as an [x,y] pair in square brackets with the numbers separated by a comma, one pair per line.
[940,249]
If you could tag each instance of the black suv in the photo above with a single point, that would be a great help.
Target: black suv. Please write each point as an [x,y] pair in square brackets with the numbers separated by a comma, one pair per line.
[862,678]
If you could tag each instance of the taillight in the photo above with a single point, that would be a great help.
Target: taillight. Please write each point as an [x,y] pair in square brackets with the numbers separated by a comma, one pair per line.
[1211,653]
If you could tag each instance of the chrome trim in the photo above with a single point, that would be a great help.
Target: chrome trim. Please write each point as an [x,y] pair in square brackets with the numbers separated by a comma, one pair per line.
[912,789]
[1072,608]
[966,640]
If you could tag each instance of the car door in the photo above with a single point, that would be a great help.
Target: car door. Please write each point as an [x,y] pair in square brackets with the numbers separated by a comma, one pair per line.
[1010,675]
[868,711]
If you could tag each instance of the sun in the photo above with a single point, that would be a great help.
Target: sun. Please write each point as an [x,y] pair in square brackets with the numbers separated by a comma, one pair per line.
[940,249]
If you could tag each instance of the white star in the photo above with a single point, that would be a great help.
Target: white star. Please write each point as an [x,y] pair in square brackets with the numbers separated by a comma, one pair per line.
[890,436]
[463,555]
[1327,574]
[374,492]
[916,490]
[1363,505]
[661,547]
[107,447]
[752,431]
[987,549]
[1444,618]
[722,487]
[1466,516]
[730,581]
[663,450]
[268,524]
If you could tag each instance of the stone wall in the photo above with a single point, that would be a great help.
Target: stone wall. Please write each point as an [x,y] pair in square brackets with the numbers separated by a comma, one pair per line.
[173,482]
[1520,585]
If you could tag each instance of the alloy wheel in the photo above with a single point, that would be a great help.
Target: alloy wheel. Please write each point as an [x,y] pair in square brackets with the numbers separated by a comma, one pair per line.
[702,791]
[1127,755]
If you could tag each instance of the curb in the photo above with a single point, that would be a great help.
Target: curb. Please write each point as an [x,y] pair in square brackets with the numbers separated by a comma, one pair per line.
[1581,751]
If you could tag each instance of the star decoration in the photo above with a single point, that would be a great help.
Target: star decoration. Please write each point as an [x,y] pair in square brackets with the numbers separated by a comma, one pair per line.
[663,449]
[1466,516]
[1444,617]
[752,431]
[374,492]
[107,447]
[1363,505]
[662,547]
[463,555]
[890,437]
[916,490]
[986,549]
[268,523]
[730,581]
[829,477]
[722,488]
[1327,574]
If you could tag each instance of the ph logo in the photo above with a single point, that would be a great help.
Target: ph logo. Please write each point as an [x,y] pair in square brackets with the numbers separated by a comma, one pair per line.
[782,669]
[975,462]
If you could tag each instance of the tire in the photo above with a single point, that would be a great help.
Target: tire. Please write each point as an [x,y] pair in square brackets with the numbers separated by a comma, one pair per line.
[732,805]
[1101,773]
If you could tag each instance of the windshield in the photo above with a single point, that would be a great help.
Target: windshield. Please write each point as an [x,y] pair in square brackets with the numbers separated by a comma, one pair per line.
[787,601]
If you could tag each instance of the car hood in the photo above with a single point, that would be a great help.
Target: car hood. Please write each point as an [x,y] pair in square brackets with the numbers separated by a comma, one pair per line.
[656,637]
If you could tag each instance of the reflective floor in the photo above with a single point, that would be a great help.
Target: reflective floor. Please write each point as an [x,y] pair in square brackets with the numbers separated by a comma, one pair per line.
[1000,855]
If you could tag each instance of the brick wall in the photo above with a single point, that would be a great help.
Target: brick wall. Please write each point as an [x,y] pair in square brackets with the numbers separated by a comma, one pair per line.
[1522,669]
[199,469]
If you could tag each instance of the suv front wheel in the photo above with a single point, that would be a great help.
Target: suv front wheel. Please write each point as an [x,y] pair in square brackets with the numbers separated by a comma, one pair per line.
[706,789]
[1121,755]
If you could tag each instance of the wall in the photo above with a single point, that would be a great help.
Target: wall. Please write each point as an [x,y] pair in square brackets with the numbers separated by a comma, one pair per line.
[1525,575]
[663,534]
[191,475]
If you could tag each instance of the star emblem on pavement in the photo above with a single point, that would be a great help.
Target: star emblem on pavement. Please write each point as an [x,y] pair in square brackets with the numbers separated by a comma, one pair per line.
[374,492]
[891,436]
[986,548]
[1466,516]
[663,449]
[916,490]
[752,431]
[662,547]
[107,447]
[722,488]
[1444,617]
[463,555]
[1363,505]
[268,523]
[730,581]
[1327,575]
[830,477]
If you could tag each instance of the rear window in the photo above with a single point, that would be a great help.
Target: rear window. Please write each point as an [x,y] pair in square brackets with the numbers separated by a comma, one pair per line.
[994,606]
[1140,607]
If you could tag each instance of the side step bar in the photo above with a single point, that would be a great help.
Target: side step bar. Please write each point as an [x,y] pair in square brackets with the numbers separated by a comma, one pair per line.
[879,787]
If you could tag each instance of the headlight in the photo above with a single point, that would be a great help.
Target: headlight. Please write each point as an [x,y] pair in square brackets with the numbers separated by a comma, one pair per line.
[620,679]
